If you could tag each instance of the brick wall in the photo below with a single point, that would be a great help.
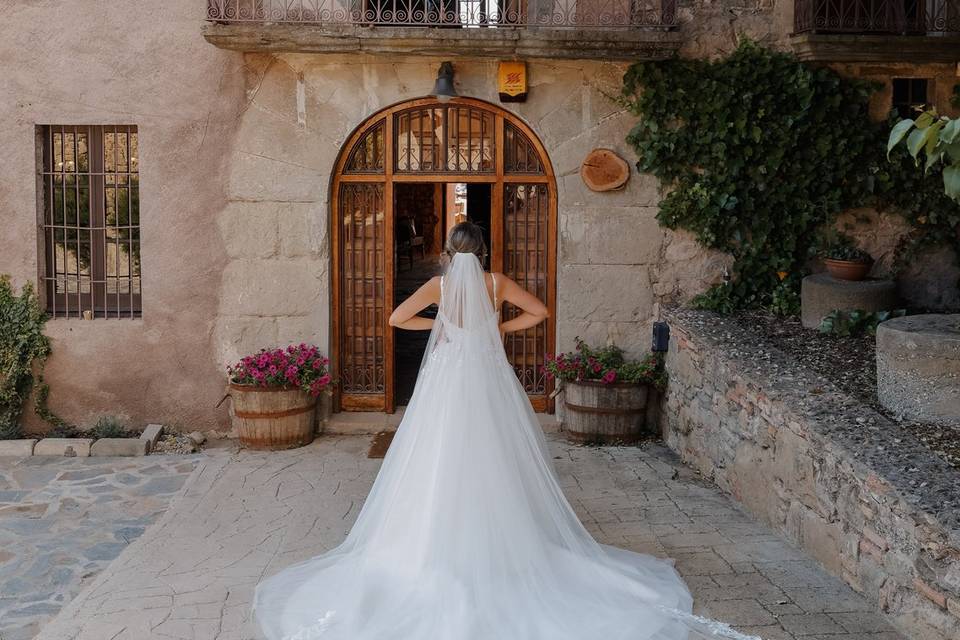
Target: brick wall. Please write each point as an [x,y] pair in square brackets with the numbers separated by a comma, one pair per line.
[835,477]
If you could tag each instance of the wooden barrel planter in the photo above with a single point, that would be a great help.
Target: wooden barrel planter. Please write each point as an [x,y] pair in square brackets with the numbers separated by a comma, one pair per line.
[271,418]
[604,413]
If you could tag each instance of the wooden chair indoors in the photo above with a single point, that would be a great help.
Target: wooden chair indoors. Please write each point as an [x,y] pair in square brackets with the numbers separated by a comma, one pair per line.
[409,241]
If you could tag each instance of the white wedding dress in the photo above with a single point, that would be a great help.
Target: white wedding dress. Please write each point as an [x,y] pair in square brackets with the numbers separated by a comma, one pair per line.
[466,534]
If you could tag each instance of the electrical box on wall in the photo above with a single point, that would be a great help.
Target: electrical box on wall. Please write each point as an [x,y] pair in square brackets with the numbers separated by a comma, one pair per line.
[661,336]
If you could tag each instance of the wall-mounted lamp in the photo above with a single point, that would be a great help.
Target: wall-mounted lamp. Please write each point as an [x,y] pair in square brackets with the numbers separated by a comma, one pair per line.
[443,88]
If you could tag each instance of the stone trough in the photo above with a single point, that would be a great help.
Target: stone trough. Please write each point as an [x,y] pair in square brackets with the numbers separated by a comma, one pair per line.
[918,367]
[821,293]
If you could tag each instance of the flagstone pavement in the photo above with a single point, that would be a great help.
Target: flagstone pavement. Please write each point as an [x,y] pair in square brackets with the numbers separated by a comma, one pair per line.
[244,515]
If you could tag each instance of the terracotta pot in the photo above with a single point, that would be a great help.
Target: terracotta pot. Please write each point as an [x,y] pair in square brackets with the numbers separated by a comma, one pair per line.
[847,269]
[272,418]
[598,412]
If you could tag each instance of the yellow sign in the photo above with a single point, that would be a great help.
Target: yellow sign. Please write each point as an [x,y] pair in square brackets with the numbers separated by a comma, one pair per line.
[512,81]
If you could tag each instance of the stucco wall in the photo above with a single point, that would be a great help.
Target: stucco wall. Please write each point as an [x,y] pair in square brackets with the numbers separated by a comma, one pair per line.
[127,63]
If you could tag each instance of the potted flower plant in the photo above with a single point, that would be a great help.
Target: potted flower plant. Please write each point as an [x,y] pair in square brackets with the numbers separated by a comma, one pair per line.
[845,261]
[605,395]
[275,394]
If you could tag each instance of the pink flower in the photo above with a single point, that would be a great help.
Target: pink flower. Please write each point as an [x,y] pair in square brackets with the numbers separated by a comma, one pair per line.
[610,376]
[324,380]
[597,368]
[273,370]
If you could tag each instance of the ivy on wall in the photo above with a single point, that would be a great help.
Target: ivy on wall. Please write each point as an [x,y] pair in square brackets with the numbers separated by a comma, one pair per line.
[23,350]
[759,151]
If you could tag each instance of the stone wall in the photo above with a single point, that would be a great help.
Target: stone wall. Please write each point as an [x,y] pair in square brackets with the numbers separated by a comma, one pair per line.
[841,481]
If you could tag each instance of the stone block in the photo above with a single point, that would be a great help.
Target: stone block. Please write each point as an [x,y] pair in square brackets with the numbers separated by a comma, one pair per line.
[120,447]
[19,448]
[820,294]
[255,177]
[250,229]
[152,435]
[611,235]
[303,229]
[586,293]
[272,287]
[65,447]
[918,367]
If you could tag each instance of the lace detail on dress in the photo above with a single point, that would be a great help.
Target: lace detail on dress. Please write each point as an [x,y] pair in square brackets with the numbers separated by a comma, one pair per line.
[314,631]
[714,627]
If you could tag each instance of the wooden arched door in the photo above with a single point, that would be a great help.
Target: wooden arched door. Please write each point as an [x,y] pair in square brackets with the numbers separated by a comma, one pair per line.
[426,141]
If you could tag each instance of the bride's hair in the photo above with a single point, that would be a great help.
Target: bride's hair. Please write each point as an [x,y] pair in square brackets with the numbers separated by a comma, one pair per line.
[466,237]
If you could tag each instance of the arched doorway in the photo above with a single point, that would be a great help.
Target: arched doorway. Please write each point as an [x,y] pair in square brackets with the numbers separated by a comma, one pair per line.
[508,183]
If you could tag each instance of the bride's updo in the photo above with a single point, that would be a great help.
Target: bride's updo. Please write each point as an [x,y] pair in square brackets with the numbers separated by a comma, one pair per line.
[466,237]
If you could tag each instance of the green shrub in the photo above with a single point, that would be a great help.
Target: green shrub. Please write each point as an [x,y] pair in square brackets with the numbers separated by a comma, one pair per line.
[23,350]
[109,427]
[856,322]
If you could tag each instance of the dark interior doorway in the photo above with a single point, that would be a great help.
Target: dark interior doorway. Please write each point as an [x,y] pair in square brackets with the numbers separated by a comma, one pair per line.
[418,226]
[424,212]
[478,212]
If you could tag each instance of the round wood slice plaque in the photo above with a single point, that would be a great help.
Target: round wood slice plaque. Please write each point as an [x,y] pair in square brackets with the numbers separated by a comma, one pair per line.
[604,170]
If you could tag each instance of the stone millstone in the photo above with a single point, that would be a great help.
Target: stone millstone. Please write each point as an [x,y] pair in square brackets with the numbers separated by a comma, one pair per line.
[918,367]
[604,170]
[821,293]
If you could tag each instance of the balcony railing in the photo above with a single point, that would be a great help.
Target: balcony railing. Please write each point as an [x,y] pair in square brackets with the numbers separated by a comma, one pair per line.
[551,14]
[891,17]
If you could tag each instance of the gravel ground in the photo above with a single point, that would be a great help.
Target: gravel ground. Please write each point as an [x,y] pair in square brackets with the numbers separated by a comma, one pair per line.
[850,363]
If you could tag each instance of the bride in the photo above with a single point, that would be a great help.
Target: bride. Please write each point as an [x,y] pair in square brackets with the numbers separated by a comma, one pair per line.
[466,534]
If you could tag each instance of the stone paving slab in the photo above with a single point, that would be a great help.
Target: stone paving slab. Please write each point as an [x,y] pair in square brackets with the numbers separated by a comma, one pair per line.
[248,514]
[63,520]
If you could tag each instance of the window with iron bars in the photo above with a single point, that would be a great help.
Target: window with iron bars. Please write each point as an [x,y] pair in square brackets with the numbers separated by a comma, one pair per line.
[910,95]
[90,213]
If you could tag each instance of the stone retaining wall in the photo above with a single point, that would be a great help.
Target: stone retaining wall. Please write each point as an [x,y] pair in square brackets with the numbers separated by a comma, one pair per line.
[835,477]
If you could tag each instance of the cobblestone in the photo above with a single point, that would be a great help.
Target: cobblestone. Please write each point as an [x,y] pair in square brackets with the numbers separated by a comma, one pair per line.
[63,520]
[246,515]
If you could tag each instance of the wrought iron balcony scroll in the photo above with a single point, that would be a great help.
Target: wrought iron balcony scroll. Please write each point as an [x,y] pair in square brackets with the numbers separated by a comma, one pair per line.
[554,14]
[892,17]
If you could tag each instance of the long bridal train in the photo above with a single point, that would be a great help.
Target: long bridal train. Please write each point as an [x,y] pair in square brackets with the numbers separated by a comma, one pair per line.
[466,534]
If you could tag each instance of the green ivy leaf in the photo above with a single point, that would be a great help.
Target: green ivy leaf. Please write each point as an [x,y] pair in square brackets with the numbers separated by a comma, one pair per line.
[951,181]
[950,132]
[925,119]
[897,133]
[916,140]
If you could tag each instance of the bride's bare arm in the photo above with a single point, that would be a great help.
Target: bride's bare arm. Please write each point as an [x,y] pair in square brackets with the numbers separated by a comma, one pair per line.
[534,311]
[405,315]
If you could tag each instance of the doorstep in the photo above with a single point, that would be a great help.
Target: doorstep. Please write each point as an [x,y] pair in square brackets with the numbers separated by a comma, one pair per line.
[352,423]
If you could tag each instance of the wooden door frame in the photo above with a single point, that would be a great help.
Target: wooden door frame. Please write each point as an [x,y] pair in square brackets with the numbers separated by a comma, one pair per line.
[497,178]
